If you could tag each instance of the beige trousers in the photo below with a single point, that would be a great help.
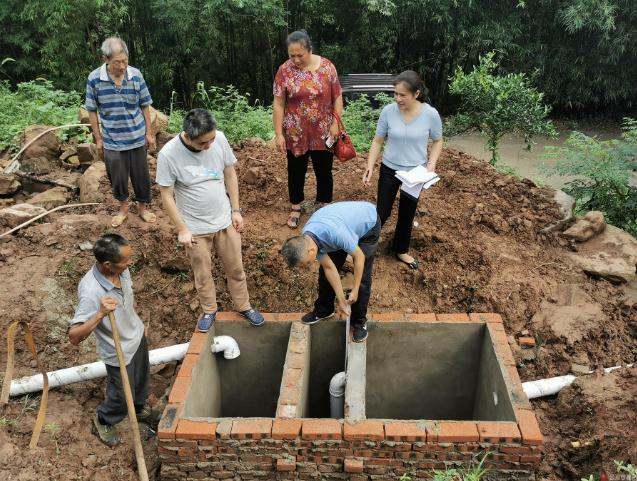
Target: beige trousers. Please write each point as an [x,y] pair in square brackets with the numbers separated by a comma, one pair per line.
[227,245]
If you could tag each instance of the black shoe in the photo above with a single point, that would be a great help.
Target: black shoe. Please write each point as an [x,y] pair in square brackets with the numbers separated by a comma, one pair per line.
[359,333]
[311,318]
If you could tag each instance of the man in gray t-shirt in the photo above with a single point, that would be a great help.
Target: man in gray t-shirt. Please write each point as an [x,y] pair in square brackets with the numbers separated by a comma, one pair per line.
[105,288]
[200,192]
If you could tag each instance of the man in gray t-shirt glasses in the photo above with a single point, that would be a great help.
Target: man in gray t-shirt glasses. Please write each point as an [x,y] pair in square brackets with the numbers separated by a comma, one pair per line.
[200,192]
[106,288]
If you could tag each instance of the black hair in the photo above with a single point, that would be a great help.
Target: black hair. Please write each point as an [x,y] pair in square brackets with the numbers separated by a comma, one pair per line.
[294,250]
[414,84]
[198,122]
[301,37]
[107,248]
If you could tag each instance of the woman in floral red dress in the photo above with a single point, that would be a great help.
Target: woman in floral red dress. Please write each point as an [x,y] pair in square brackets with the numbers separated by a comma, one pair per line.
[306,92]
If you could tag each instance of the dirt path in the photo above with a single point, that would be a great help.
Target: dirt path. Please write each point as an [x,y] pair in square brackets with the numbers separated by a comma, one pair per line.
[480,247]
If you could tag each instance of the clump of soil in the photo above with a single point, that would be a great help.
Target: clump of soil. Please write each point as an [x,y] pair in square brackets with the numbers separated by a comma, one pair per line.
[591,424]
[481,248]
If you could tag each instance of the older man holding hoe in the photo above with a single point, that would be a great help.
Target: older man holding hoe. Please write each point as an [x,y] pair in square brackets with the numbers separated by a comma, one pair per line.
[118,93]
[107,288]
[330,235]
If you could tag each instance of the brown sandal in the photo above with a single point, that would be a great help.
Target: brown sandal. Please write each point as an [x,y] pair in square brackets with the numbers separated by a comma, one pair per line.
[293,220]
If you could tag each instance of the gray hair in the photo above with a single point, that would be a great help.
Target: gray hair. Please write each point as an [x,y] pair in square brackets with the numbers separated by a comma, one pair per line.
[114,45]
[198,122]
[294,250]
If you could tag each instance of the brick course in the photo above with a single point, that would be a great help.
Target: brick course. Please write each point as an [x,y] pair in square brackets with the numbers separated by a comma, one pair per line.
[330,449]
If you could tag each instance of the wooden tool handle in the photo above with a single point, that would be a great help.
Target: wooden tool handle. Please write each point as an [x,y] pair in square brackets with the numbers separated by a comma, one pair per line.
[132,417]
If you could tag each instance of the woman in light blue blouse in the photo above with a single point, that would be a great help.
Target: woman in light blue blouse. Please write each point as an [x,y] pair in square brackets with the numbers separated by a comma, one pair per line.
[405,127]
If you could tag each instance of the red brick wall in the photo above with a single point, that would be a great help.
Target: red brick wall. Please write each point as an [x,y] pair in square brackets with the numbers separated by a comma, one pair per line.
[291,448]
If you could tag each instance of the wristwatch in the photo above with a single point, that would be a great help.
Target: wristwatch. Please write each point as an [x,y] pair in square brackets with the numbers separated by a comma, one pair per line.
[237,210]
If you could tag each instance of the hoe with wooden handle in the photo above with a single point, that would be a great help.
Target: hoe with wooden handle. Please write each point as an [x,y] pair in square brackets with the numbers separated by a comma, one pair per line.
[132,417]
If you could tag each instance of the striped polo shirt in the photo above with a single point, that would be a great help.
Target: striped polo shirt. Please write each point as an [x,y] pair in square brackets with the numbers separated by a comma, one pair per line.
[119,109]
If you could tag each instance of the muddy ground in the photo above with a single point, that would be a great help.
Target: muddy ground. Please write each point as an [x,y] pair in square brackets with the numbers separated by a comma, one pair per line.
[481,249]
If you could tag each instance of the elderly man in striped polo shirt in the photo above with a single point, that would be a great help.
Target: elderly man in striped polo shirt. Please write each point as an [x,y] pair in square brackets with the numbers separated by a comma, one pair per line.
[119,94]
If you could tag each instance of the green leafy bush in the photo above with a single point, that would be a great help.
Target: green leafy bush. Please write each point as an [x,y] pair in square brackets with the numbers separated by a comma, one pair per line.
[360,117]
[236,117]
[602,171]
[35,102]
[497,105]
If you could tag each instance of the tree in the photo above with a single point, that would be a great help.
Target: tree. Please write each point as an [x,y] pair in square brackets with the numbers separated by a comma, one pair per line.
[601,172]
[496,105]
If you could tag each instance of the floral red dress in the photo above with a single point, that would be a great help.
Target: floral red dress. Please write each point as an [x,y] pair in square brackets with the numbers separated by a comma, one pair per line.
[309,99]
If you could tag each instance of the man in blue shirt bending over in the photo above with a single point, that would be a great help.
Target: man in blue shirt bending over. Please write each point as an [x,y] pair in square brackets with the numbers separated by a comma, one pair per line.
[332,233]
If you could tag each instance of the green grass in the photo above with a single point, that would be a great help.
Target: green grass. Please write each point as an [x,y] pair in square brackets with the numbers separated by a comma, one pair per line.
[475,472]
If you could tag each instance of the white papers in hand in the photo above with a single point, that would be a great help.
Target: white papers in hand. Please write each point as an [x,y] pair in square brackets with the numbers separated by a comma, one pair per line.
[416,179]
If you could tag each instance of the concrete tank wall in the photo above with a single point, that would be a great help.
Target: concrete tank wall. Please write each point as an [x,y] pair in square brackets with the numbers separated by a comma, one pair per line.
[422,371]
[247,386]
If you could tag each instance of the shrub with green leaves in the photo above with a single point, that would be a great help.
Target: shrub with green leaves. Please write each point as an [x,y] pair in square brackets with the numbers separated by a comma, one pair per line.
[236,117]
[602,170]
[495,105]
[35,102]
[360,117]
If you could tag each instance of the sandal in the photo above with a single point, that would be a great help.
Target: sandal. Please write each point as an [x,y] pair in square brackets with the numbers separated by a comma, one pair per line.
[293,220]
[412,265]
[118,220]
[148,216]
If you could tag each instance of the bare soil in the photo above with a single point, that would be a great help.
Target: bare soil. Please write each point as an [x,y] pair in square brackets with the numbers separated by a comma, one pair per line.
[480,247]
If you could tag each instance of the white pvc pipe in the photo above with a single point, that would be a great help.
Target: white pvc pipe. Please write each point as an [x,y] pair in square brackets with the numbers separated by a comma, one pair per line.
[227,345]
[90,371]
[553,385]
[337,395]
[97,369]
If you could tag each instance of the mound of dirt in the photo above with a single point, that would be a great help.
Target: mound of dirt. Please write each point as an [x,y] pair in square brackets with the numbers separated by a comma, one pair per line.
[591,424]
[479,238]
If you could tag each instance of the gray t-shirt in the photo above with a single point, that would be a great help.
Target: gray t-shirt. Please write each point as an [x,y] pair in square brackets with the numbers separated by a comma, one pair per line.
[406,144]
[91,289]
[200,191]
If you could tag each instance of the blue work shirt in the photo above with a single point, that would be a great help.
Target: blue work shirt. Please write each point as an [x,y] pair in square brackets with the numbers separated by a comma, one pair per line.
[406,144]
[340,226]
[119,108]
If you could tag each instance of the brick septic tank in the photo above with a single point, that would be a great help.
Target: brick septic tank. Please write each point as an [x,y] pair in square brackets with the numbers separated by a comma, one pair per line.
[424,392]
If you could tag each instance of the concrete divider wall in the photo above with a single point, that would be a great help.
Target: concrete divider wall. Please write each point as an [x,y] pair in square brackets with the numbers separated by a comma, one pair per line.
[301,448]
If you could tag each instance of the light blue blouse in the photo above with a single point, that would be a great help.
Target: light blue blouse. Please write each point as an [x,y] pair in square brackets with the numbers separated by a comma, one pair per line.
[406,144]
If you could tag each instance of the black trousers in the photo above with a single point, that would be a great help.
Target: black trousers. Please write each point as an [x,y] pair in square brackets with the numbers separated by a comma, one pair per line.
[297,168]
[388,186]
[122,164]
[113,408]
[324,304]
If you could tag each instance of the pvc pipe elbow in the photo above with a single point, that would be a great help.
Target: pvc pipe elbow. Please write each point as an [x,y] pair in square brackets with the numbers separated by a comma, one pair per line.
[227,345]
[337,384]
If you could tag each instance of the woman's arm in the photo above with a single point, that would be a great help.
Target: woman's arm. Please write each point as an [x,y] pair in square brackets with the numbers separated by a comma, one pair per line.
[278,108]
[372,157]
[337,106]
[434,153]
